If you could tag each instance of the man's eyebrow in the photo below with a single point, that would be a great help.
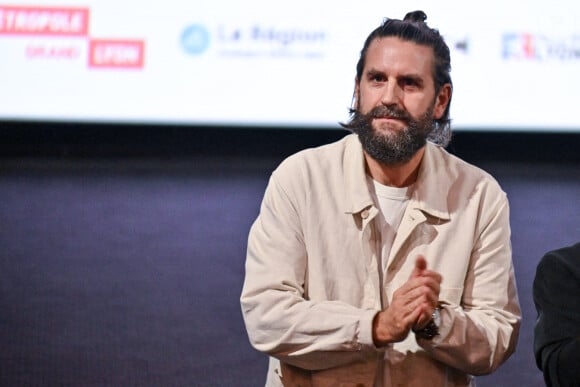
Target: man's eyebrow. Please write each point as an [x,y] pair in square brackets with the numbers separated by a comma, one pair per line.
[414,76]
[375,72]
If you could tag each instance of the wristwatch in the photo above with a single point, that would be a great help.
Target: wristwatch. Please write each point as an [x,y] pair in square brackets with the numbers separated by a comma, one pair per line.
[432,328]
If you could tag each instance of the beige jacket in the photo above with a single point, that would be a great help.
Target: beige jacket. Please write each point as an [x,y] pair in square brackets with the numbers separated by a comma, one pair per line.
[313,283]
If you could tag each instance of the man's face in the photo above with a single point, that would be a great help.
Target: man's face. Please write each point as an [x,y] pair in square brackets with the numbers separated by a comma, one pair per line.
[395,100]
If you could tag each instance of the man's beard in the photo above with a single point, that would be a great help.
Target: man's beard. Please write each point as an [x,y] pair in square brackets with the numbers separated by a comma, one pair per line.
[393,148]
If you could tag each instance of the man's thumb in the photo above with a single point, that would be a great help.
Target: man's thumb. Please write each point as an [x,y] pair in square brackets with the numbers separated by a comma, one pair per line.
[420,266]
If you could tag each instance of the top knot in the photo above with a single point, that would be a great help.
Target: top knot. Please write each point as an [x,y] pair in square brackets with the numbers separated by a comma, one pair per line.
[415,17]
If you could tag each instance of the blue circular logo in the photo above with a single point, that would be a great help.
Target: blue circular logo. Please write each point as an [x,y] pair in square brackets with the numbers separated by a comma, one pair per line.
[195,39]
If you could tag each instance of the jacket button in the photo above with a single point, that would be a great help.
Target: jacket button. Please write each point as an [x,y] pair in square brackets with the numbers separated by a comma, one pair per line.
[365,214]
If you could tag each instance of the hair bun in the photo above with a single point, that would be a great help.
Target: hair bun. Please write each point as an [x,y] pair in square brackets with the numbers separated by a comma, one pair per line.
[415,17]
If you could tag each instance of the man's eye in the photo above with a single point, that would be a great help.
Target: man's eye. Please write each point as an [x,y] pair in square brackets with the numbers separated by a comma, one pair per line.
[409,82]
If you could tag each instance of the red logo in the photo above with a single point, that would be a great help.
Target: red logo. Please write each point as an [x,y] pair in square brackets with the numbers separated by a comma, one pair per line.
[116,53]
[18,20]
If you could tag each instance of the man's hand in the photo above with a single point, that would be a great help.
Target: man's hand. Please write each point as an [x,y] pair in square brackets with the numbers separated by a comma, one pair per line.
[411,307]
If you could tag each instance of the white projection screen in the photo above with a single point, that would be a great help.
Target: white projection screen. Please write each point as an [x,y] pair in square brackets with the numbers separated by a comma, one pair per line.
[515,64]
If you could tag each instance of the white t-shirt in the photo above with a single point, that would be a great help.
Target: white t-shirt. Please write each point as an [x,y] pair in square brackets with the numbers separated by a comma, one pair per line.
[392,202]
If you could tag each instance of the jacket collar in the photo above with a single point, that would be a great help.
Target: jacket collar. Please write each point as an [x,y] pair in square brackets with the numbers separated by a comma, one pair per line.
[357,195]
[431,190]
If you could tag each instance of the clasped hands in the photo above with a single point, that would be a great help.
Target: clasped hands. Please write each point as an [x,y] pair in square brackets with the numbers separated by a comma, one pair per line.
[411,307]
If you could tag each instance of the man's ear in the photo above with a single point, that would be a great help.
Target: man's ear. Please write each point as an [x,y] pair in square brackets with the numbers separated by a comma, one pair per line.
[441,101]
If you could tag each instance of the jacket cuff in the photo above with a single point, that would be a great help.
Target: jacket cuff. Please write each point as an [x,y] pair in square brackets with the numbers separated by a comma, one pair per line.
[365,336]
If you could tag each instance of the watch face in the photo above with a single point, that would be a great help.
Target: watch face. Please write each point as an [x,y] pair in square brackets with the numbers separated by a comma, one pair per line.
[437,317]
[432,328]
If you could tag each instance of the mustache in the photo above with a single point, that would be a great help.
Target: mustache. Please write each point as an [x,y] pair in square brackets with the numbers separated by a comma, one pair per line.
[389,111]
[360,120]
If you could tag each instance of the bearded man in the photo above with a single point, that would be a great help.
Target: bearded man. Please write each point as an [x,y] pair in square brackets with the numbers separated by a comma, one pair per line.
[381,259]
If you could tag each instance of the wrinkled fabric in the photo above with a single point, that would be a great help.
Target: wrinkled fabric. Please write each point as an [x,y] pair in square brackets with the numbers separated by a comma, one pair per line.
[313,280]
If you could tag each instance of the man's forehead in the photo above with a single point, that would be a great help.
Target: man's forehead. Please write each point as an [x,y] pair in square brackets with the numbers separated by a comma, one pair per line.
[394,42]
[403,54]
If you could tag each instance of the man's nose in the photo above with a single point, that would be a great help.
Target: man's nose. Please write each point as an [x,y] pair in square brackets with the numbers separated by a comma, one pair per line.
[391,94]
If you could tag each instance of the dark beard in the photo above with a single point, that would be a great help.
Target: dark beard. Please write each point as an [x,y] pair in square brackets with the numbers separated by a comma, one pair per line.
[398,147]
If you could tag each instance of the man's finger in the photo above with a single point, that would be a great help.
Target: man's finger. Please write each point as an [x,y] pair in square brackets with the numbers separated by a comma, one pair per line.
[420,266]
[420,263]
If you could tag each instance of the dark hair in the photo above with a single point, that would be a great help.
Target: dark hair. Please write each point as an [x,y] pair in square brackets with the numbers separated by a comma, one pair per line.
[414,29]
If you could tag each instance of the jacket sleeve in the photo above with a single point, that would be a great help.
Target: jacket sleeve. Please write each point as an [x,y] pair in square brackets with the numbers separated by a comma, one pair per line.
[279,318]
[480,333]
[556,292]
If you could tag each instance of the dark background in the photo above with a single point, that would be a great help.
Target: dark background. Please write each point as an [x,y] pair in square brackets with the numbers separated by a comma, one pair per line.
[122,246]
[90,140]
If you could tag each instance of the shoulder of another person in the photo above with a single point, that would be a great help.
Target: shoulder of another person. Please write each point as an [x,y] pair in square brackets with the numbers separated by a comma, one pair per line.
[561,264]
[567,256]
[571,252]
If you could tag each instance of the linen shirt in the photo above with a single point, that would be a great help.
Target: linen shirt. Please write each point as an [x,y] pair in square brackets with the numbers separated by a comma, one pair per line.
[314,280]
